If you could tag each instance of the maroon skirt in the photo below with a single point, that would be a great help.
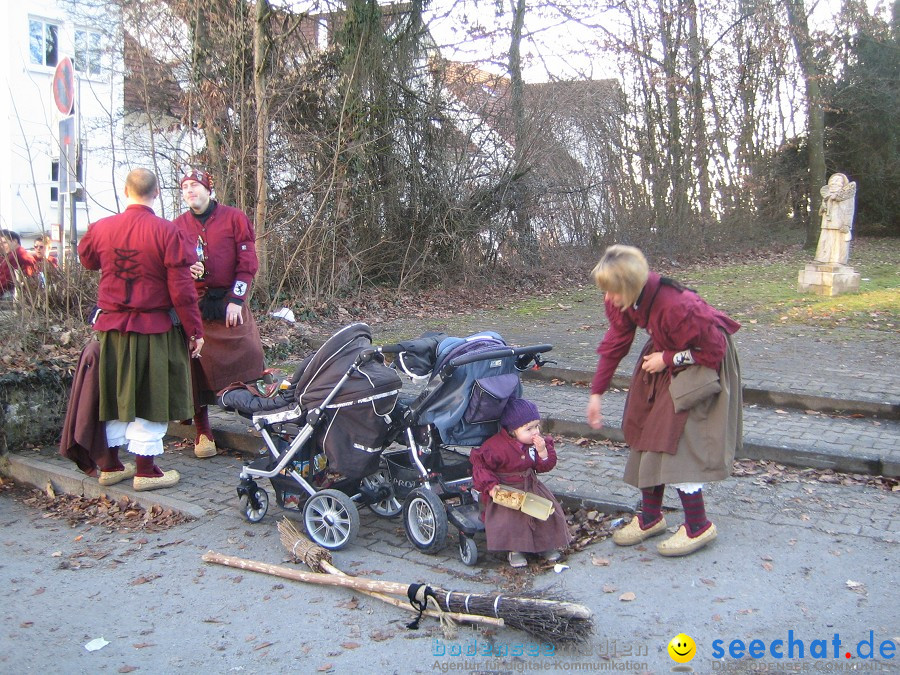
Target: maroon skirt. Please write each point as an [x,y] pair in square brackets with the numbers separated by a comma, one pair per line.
[511,530]
[229,355]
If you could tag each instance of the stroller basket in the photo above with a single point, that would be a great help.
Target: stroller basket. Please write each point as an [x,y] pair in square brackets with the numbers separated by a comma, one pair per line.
[405,477]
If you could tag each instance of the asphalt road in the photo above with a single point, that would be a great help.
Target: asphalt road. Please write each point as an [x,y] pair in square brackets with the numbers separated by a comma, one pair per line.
[795,559]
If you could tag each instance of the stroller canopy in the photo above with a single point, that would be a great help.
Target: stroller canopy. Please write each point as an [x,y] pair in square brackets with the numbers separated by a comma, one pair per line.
[319,373]
[450,406]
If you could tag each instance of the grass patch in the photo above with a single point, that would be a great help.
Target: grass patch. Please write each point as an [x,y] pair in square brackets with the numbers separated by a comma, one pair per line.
[763,289]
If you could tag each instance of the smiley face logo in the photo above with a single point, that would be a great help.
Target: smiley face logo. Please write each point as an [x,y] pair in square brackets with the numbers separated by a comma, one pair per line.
[682,648]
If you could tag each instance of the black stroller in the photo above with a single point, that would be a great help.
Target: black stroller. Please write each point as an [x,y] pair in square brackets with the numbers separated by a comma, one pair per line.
[468,381]
[324,438]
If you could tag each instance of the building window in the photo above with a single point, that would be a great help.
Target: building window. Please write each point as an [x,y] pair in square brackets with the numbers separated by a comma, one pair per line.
[43,42]
[54,181]
[87,51]
[322,34]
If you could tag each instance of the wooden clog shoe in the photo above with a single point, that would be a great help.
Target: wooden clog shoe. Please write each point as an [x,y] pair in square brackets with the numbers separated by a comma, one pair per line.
[632,533]
[205,447]
[681,544]
[113,477]
[168,479]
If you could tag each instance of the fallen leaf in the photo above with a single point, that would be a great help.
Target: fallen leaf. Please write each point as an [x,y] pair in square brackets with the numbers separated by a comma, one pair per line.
[352,603]
[381,635]
[145,580]
[26,624]
[716,617]
[627,597]
[325,668]
[350,645]
[56,554]
[127,669]
[599,562]
[609,588]
[781,412]
[708,582]
[262,646]
[768,567]
[143,645]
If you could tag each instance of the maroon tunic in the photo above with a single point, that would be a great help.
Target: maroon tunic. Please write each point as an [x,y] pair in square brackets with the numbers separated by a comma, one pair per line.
[503,460]
[676,320]
[150,261]
[696,445]
[231,353]
[18,259]
[229,248]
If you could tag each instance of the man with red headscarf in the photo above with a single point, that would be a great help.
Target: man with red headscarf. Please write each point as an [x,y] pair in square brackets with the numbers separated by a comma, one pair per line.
[226,248]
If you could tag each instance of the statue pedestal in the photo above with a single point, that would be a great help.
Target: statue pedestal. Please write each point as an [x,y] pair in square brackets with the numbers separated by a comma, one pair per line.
[827,279]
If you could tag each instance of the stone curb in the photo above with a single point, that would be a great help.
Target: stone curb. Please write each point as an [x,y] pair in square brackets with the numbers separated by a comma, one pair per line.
[764,397]
[233,435]
[38,473]
[67,481]
[787,454]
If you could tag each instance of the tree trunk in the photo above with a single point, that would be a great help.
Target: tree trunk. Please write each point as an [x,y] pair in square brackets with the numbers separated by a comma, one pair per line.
[815,126]
[521,221]
[261,46]
[699,137]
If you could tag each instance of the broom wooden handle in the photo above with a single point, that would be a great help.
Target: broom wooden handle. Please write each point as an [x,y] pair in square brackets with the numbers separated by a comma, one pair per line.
[392,587]
[567,609]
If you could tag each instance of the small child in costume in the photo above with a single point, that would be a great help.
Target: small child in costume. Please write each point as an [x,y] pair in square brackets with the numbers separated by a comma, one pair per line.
[513,456]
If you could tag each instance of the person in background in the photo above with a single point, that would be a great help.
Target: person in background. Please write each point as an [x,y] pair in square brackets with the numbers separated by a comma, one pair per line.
[225,243]
[42,252]
[45,263]
[687,447]
[513,456]
[13,259]
[144,372]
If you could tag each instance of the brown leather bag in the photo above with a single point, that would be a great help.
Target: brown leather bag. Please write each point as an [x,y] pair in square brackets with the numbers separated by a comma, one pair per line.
[693,385]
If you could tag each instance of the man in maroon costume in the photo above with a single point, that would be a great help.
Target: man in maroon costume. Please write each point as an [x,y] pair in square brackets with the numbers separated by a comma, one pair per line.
[13,256]
[226,247]
[144,376]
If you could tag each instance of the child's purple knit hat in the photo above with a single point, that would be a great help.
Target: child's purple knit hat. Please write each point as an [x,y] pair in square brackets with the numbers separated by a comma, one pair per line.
[518,412]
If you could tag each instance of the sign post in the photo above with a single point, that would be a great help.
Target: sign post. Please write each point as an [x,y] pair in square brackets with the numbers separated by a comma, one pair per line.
[64,97]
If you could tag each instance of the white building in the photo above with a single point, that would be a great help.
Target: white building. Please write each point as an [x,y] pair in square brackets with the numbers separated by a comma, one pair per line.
[37,35]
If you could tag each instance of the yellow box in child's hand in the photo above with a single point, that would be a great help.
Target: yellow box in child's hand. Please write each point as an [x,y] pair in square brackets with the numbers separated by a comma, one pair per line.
[537,506]
[510,497]
[527,502]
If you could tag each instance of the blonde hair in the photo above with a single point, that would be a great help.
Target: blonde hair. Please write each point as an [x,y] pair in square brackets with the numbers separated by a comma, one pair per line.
[622,270]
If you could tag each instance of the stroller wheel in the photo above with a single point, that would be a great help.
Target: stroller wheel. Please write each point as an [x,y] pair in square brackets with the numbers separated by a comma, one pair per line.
[425,520]
[331,519]
[468,550]
[390,506]
[255,505]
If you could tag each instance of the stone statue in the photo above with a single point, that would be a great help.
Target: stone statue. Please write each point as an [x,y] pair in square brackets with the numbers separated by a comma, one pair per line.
[838,206]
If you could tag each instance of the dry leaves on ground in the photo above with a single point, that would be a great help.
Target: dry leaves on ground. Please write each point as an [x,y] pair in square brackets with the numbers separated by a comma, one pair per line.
[767,471]
[121,515]
[587,526]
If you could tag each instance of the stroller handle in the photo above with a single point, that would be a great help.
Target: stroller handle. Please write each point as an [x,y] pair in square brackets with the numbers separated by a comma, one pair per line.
[497,354]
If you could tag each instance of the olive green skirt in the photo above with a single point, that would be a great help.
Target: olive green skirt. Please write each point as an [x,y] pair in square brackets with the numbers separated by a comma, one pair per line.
[145,376]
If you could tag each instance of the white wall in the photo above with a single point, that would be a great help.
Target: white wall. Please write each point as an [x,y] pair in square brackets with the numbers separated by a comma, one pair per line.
[29,118]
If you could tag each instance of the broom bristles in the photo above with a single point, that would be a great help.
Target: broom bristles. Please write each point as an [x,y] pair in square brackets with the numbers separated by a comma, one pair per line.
[301,548]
